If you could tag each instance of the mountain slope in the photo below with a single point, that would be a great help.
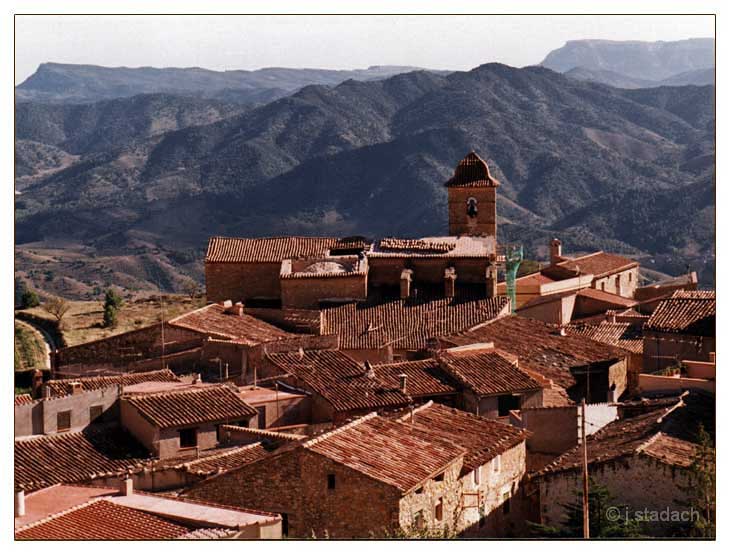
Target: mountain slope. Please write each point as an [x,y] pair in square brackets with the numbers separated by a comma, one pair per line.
[371,157]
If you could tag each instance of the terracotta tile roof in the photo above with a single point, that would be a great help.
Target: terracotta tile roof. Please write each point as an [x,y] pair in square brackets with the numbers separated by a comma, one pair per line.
[483,439]
[42,461]
[222,460]
[667,434]
[387,450]
[407,323]
[23,399]
[102,520]
[686,312]
[171,409]
[393,243]
[607,297]
[60,388]
[540,347]
[472,171]
[620,334]
[424,377]
[600,264]
[448,247]
[340,380]
[270,249]
[52,500]
[243,328]
[487,373]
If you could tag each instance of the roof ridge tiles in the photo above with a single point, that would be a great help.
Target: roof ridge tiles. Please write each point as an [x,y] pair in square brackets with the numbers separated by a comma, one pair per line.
[309,443]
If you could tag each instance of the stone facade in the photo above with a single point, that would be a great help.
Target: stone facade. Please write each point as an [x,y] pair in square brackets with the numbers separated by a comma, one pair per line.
[242,281]
[485,221]
[623,283]
[307,292]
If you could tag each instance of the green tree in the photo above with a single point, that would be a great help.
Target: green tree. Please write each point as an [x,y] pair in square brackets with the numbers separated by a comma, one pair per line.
[29,299]
[110,316]
[113,303]
[606,518]
[700,489]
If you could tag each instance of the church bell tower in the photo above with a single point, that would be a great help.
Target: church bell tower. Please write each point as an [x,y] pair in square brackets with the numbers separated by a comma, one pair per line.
[472,199]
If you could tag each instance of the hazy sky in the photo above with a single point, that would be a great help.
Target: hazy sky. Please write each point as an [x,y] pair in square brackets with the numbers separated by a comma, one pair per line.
[335,42]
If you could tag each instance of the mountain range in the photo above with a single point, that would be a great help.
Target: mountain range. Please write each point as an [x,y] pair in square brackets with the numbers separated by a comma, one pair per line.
[636,64]
[127,191]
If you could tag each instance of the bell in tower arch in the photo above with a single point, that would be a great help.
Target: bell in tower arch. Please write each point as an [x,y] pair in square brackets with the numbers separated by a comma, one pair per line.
[471,207]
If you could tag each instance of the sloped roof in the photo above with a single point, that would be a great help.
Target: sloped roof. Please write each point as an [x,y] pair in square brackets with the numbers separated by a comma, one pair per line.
[620,334]
[171,409]
[487,373]
[23,399]
[102,520]
[42,461]
[483,438]
[686,312]
[540,347]
[61,387]
[387,450]
[268,249]
[472,171]
[448,247]
[423,377]
[667,434]
[241,328]
[600,264]
[340,380]
[407,323]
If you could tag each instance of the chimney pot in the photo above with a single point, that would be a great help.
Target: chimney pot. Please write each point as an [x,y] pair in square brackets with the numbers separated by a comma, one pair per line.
[127,486]
[403,381]
[491,282]
[20,503]
[556,251]
[449,282]
[406,278]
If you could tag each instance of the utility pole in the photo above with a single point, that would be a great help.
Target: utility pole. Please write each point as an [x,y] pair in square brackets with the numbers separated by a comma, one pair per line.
[586,523]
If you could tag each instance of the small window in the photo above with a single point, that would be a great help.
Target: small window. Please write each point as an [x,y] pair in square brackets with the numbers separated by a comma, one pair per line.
[478,475]
[95,412]
[439,478]
[418,520]
[262,418]
[506,403]
[631,277]
[505,503]
[496,463]
[188,437]
[284,524]
[63,421]
[419,491]
[330,481]
[439,509]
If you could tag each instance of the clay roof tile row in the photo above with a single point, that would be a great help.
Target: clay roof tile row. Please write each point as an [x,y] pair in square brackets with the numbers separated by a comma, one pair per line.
[686,312]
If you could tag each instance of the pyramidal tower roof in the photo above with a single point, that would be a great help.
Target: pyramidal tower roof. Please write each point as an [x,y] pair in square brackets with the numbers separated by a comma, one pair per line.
[472,171]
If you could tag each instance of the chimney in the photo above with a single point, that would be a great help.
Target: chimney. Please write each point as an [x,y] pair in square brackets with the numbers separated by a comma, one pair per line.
[611,316]
[46,391]
[197,378]
[491,282]
[369,370]
[406,278]
[226,304]
[126,487]
[449,282]
[235,309]
[403,381]
[556,251]
[20,503]
[74,388]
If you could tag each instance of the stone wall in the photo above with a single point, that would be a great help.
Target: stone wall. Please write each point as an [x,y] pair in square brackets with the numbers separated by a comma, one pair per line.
[554,429]
[308,292]
[638,481]
[242,281]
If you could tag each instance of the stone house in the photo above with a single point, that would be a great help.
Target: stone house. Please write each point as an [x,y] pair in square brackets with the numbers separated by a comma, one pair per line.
[681,328]
[373,476]
[642,460]
[174,421]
